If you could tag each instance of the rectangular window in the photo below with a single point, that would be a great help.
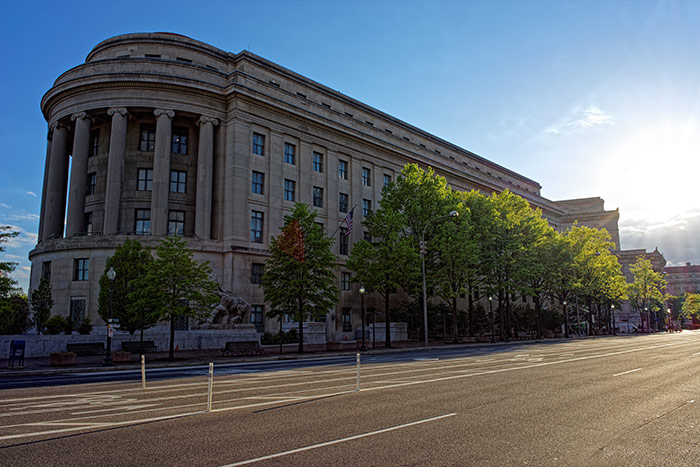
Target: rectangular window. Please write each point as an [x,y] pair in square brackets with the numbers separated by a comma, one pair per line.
[256,317]
[366,236]
[318,197]
[176,223]
[258,144]
[256,272]
[77,311]
[92,183]
[80,269]
[94,142]
[178,181]
[258,183]
[318,162]
[347,320]
[88,223]
[343,170]
[366,207]
[148,138]
[289,190]
[145,180]
[366,177]
[343,243]
[142,222]
[345,280]
[46,270]
[256,226]
[179,137]
[343,202]
[289,153]
[387,179]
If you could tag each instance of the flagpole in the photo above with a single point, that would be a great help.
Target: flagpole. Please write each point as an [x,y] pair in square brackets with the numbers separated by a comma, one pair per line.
[342,222]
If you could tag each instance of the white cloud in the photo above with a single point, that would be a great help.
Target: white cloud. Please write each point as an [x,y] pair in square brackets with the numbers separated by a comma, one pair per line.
[22,217]
[676,237]
[31,193]
[5,205]
[581,120]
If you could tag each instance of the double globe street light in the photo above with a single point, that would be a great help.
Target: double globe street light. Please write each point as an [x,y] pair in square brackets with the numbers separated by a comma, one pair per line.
[111,275]
[423,252]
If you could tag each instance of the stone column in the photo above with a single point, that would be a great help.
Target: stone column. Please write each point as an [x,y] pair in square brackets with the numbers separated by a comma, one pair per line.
[161,172]
[57,184]
[205,179]
[115,170]
[78,175]
[45,187]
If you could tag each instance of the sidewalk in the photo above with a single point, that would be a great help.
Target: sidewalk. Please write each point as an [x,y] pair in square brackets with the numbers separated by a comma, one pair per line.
[42,365]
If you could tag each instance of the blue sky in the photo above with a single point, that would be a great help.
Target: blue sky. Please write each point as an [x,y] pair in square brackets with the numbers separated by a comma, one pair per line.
[589,98]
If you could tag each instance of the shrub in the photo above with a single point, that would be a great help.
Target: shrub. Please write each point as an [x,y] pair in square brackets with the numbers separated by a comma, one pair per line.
[55,324]
[289,337]
[85,327]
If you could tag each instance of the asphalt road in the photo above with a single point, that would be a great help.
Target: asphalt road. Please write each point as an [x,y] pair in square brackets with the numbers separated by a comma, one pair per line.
[628,400]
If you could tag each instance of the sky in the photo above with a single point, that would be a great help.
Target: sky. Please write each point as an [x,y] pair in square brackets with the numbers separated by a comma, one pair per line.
[588,98]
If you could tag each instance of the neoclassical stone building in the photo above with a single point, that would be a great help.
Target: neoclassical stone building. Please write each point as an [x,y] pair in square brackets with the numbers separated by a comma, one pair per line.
[164,134]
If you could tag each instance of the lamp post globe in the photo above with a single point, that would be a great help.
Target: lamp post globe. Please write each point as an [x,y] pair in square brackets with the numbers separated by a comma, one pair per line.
[423,251]
[111,275]
[362,302]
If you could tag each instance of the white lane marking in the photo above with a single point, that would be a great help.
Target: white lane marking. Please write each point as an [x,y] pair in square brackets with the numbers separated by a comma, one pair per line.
[337,441]
[627,372]
[86,426]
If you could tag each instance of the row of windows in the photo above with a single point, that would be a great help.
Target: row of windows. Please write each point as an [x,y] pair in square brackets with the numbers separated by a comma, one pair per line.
[144,181]
[178,140]
[142,222]
[317,160]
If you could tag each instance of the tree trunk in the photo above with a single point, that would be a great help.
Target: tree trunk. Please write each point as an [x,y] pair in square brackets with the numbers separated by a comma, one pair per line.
[590,315]
[171,351]
[387,320]
[454,319]
[470,321]
[538,313]
[301,327]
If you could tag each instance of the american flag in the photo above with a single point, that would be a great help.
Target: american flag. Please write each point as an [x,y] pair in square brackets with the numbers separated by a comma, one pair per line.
[348,221]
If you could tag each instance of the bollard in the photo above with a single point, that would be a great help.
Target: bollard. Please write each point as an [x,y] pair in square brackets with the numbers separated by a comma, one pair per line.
[358,372]
[211,384]
[143,371]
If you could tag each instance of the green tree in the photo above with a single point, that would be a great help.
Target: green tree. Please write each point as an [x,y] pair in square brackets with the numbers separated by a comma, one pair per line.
[646,290]
[380,264]
[14,314]
[8,286]
[561,278]
[298,276]
[41,302]
[130,261]
[691,306]
[174,285]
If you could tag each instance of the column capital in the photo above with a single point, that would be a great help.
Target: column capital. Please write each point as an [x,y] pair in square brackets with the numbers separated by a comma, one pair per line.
[117,110]
[202,120]
[168,113]
[79,115]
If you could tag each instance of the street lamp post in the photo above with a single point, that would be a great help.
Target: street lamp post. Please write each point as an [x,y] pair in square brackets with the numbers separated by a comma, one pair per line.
[646,313]
[668,327]
[566,320]
[612,307]
[423,251]
[111,275]
[362,302]
[493,329]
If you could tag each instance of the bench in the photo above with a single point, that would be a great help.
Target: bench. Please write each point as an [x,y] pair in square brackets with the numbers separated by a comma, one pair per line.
[242,348]
[136,347]
[87,348]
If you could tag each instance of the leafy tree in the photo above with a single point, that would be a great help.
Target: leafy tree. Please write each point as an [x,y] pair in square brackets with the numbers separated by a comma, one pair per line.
[14,314]
[542,266]
[691,306]
[646,290]
[42,302]
[8,286]
[298,276]
[380,264]
[174,285]
[561,279]
[130,261]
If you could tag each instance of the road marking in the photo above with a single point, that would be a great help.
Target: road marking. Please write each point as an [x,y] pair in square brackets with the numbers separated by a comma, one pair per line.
[627,372]
[337,441]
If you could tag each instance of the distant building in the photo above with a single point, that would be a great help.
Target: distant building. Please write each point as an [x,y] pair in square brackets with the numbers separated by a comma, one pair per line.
[682,279]
[166,135]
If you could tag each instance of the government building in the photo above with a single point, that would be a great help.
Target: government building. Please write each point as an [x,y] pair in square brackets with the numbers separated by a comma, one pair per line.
[158,134]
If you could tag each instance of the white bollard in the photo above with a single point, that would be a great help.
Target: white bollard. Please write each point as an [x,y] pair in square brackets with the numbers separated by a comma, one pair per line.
[358,372]
[143,371]
[211,385]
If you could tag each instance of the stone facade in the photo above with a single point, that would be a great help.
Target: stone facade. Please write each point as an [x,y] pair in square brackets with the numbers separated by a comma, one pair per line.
[682,279]
[171,135]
